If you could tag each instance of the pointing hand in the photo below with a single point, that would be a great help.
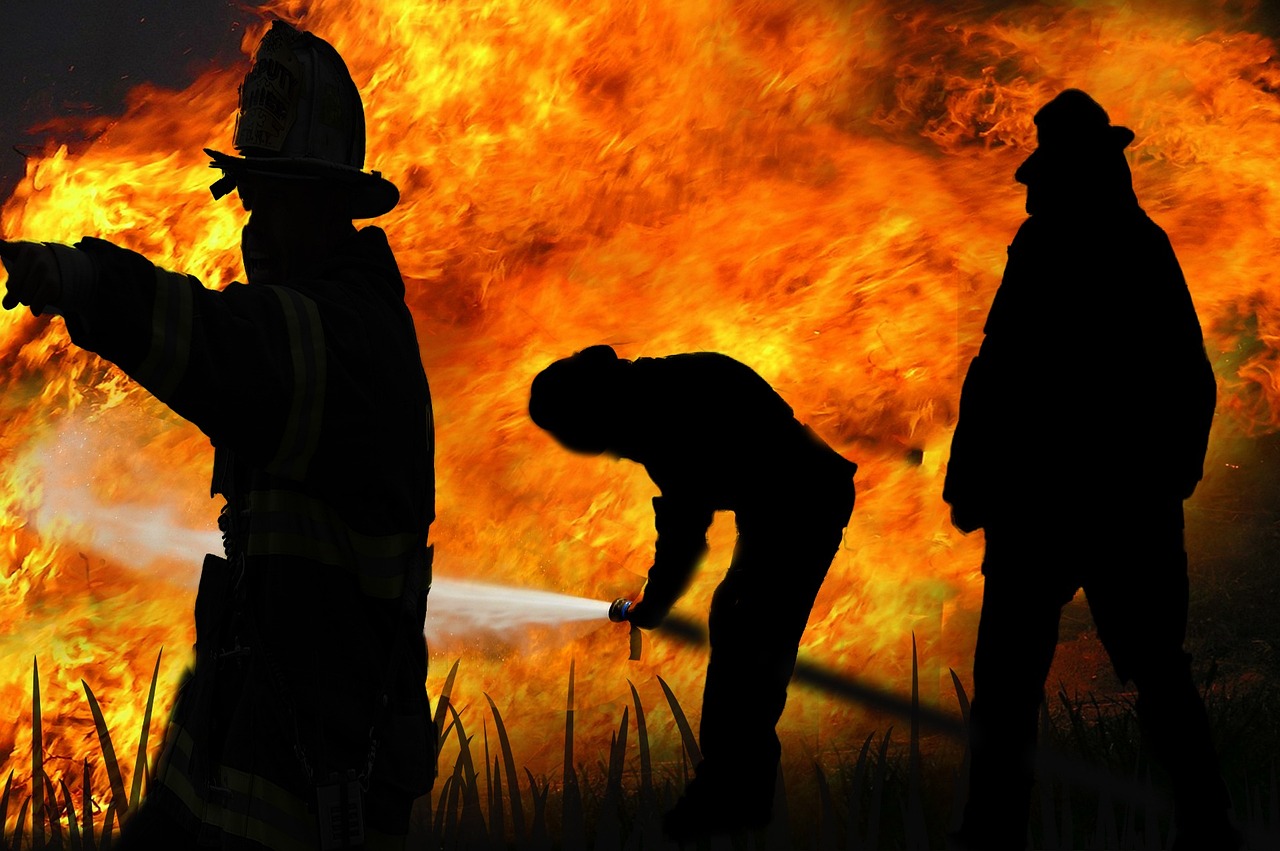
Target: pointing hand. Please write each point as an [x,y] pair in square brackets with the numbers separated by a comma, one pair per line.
[34,279]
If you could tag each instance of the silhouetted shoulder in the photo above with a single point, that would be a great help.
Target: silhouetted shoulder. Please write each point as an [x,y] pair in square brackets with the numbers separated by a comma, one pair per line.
[1032,229]
[1155,237]
[711,381]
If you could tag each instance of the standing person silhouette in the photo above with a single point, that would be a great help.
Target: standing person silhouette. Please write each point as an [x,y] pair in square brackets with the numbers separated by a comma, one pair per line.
[713,435]
[304,723]
[1083,426]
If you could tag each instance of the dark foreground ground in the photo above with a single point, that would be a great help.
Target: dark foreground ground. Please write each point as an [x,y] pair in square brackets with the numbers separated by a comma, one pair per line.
[902,786]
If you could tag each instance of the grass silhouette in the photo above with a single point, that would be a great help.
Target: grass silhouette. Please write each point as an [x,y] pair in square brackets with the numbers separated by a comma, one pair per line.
[1096,788]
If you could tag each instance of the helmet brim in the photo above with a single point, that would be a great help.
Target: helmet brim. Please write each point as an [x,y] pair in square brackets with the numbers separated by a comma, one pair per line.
[371,194]
[1115,137]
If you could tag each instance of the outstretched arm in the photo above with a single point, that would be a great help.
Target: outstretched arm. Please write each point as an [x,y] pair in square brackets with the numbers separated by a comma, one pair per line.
[682,541]
[246,365]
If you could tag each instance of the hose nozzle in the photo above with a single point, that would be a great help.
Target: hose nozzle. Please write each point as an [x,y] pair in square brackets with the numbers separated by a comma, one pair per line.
[618,610]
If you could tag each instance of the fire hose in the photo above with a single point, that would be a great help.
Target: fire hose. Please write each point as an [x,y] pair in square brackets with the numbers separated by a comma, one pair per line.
[808,673]
[841,685]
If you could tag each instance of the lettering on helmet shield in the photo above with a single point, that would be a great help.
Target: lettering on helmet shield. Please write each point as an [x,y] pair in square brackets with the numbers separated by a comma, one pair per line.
[269,98]
[330,107]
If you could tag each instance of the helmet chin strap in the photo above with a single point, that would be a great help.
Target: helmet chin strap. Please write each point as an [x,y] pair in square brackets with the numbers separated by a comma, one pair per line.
[261,265]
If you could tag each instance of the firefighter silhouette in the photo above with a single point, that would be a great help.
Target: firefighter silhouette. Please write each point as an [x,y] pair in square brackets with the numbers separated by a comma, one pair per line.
[713,435]
[304,722]
[1083,425]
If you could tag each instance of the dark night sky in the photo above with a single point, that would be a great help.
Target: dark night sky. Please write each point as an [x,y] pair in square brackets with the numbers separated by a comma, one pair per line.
[78,58]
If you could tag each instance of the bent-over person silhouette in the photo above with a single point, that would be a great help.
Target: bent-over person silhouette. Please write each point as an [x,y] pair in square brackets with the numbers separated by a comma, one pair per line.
[1083,425]
[713,435]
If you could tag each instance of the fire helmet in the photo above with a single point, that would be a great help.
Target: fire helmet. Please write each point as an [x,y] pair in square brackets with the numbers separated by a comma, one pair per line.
[301,118]
[1071,126]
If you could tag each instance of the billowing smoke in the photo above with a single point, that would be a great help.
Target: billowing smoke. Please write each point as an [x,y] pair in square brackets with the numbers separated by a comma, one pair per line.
[151,538]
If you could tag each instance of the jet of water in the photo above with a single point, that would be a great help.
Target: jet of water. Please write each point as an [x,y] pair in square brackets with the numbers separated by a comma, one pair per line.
[152,540]
[460,606]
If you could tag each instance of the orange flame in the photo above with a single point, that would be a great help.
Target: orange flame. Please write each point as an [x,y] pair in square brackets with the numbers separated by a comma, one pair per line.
[821,190]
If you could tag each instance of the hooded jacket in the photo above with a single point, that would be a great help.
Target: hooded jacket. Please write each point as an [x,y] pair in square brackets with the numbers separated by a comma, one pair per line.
[713,436]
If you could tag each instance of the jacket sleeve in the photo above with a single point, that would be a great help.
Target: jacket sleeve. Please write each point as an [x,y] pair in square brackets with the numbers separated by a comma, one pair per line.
[246,364]
[964,487]
[682,541]
[1189,381]
[967,486]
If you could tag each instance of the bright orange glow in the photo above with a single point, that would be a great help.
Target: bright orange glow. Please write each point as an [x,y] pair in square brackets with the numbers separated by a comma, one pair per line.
[821,190]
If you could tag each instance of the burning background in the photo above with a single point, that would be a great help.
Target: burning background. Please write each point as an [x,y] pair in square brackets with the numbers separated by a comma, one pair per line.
[819,188]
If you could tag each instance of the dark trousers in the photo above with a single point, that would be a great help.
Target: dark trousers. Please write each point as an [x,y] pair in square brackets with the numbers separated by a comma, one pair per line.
[1135,579]
[153,828]
[758,614]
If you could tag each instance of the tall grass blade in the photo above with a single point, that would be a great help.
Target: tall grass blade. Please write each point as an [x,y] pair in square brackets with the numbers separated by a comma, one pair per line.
[444,737]
[960,791]
[618,754]
[442,709]
[513,780]
[140,764]
[646,829]
[573,830]
[109,824]
[539,839]
[118,797]
[853,794]
[961,697]
[54,813]
[86,807]
[642,740]
[609,820]
[73,826]
[488,779]
[443,806]
[686,732]
[877,792]
[37,760]
[828,821]
[472,819]
[497,813]
[917,832]
[450,827]
[22,823]
[649,816]
[4,809]
[493,792]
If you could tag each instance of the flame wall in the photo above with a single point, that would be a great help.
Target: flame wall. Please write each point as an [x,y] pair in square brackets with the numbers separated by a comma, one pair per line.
[822,190]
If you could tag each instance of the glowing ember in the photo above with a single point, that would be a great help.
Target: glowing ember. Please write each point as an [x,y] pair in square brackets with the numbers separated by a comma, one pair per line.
[822,191]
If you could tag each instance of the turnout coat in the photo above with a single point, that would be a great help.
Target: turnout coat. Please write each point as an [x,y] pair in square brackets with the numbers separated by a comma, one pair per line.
[1091,396]
[714,436]
[314,397]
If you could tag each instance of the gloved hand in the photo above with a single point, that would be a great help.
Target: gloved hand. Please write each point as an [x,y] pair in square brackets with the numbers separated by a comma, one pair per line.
[649,611]
[966,519]
[34,279]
